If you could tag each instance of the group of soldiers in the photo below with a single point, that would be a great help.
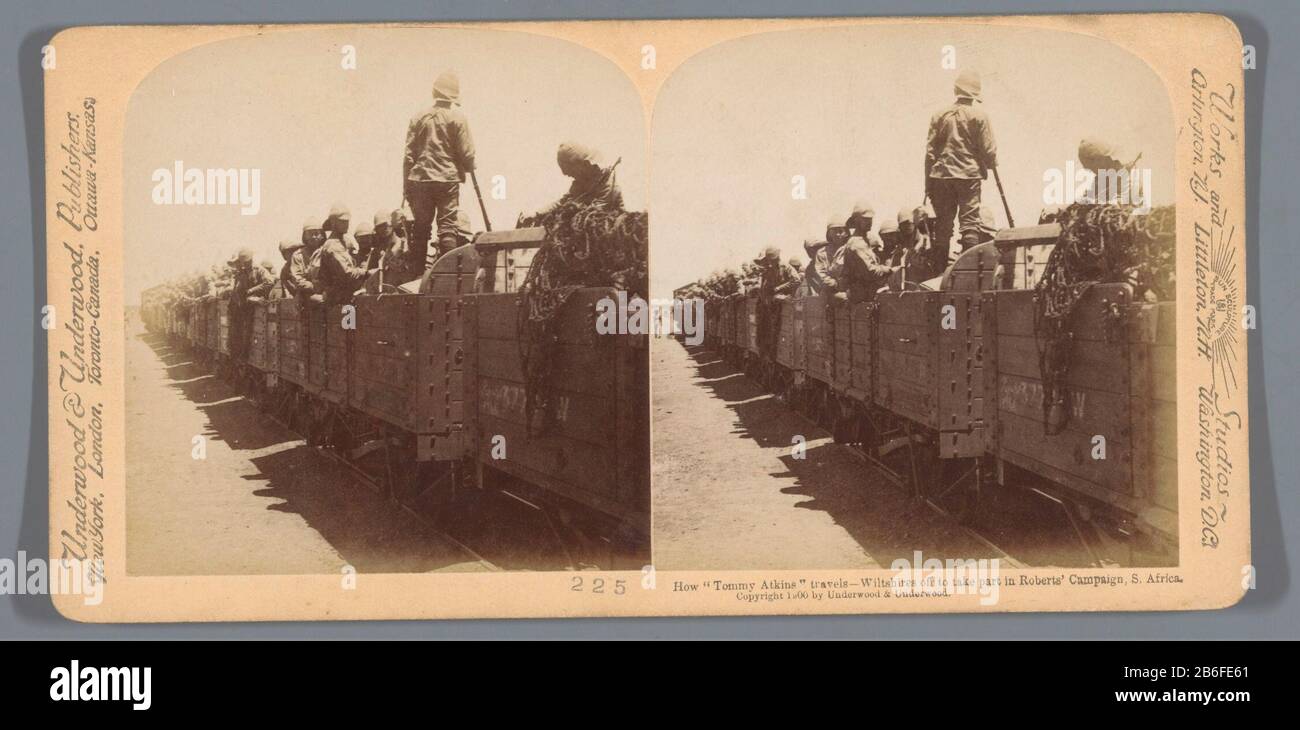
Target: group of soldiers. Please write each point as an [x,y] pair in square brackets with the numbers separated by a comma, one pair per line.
[852,261]
[332,260]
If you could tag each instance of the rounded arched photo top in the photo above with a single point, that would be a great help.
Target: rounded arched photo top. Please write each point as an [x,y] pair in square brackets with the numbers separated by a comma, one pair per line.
[322,115]
[757,141]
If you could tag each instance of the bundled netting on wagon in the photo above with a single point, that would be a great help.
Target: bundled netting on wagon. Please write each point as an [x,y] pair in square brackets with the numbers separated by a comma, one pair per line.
[587,245]
[1098,244]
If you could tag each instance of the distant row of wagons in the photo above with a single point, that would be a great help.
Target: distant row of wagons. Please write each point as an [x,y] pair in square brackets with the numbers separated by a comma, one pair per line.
[953,378]
[438,377]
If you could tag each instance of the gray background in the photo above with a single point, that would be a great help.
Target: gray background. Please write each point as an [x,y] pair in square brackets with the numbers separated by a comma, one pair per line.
[1270,611]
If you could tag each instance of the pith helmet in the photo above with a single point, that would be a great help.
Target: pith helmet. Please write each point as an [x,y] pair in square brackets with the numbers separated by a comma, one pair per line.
[447,86]
[1097,154]
[383,218]
[571,156]
[863,209]
[312,224]
[364,228]
[771,253]
[888,225]
[967,85]
[904,216]
[288,246]
[922,213]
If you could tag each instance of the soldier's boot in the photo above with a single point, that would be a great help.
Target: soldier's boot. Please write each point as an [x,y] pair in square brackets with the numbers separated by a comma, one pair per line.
[969,240]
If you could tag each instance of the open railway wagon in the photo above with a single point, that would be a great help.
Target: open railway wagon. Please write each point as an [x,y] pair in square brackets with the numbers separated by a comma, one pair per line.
[405,381]
[726,327]
[183,322]
[788,374]
[943,390]
[426,395]
[737,313]
[1109,454]
[712,333]
[199,322]
[260,374]
[581,451]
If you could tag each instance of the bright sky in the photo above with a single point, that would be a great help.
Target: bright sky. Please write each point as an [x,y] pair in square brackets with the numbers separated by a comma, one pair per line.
[321,134]
[849,109]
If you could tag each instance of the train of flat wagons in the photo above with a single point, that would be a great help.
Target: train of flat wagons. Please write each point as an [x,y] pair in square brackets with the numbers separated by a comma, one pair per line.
[435,383]
[943,389]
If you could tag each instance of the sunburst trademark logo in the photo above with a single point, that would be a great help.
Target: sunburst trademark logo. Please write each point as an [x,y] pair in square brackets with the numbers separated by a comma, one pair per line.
[1218,304]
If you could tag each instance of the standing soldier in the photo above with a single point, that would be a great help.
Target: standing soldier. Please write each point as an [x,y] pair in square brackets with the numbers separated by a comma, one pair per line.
[958,154]
[439,154]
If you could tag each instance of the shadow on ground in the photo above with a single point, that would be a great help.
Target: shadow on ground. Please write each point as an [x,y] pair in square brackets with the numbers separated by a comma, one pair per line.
[879,515]
[369,531]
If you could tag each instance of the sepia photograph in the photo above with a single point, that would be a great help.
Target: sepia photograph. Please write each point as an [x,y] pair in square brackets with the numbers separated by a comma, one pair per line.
[362,267]
[937,273]
[371,322]
[349,328]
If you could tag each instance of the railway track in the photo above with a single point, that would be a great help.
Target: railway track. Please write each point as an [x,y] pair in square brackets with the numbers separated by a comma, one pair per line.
[893,478]
[371,483]
[424,519]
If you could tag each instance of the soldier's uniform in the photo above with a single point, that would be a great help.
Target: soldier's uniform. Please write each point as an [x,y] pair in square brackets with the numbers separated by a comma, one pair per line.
[864,268]
[439,154]
[334,275]
[891,252]
[829,262]
[261,279]
[365,237]
[288,248]
[246,281]
[394,256]
[300,266]
[812,281]
[775,283]
[1111,166]
[959,151]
